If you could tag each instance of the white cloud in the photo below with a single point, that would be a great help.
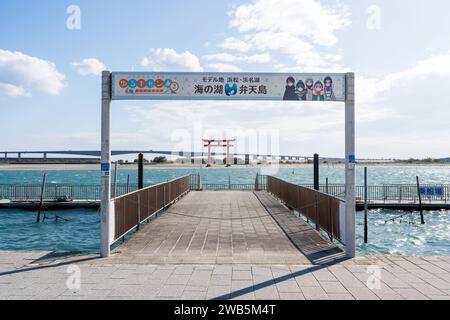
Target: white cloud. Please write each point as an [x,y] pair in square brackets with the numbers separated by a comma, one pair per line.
[303,18]
[235,44]
[89,67]
[21,74]
[227,57]
[222,67]
[410,110]
[304,32]
[436,65]
[166,59]
[12,90]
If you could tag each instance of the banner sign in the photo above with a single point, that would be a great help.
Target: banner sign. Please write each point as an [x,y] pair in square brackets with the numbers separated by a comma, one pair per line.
[228,86]
[432,191]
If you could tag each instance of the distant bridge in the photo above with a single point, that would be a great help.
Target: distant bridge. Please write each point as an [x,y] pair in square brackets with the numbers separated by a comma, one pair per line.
[188,154]
[94,153]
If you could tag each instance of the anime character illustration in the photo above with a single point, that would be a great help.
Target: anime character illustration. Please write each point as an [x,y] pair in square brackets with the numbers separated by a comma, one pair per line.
[309,89]
[318,92]
[290,94]
[301,90]
[329,93]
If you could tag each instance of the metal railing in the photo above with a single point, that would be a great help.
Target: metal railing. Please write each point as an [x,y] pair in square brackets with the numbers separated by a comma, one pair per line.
[389,193]
[54,192]
[134,208]
[321,208]
[195,180]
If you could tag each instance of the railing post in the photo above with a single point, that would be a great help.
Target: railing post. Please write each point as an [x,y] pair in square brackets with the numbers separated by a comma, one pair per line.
[139,211]
[164,197]
[199,182]
[257,182]
[317,212]
[365,206]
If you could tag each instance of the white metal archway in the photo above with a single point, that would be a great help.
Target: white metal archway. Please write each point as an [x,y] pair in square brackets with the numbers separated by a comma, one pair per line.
[227,86]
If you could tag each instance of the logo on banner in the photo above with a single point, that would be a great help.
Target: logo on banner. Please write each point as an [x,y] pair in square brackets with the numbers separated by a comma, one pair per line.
[145,86]
[231,90]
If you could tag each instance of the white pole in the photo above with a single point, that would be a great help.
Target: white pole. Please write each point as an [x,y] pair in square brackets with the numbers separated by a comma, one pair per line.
[228,153]
[105,165]
[350,162]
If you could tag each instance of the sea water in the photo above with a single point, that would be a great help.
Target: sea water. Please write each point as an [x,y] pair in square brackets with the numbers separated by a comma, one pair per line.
[79,230]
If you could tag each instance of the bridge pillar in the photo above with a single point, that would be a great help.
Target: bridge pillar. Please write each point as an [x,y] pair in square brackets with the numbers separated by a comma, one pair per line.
[19,156]
[45,156]
[6,155]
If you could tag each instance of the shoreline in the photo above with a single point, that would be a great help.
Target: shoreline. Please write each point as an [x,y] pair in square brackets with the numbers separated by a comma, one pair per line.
[95,167]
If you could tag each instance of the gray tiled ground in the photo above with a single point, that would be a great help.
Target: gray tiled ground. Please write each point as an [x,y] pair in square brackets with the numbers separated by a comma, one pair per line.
[20,278]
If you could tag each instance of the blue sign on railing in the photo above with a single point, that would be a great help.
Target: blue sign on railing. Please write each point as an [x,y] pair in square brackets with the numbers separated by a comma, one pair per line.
[432,191]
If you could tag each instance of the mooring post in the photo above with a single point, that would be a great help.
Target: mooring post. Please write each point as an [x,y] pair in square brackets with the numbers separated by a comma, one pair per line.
[41,201]
[365,207]
[140,171]
[422,220]
[105,249]
[350,163]
[316,172]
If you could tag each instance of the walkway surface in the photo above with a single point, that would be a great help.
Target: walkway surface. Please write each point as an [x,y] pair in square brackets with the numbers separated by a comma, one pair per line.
[226,227]
[223,245]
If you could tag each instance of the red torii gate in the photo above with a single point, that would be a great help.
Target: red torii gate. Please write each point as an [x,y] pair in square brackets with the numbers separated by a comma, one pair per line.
[218,143]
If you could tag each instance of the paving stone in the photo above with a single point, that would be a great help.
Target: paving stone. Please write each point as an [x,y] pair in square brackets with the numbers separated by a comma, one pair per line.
[193,295]
[181,279]
[333,287]
[171,291]
[242,275]
[218,291]
[291,296]
[340,296]
[288,286]
[411,294]
[314,293]
[362,293]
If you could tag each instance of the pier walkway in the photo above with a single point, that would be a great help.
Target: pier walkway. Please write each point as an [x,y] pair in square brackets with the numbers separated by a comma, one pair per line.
[227,227]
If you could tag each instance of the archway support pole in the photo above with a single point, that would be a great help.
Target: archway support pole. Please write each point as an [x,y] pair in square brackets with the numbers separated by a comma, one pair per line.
[350,162]
[105,218]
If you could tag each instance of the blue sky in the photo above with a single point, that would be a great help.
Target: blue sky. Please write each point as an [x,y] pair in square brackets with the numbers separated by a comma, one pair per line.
[49,83]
